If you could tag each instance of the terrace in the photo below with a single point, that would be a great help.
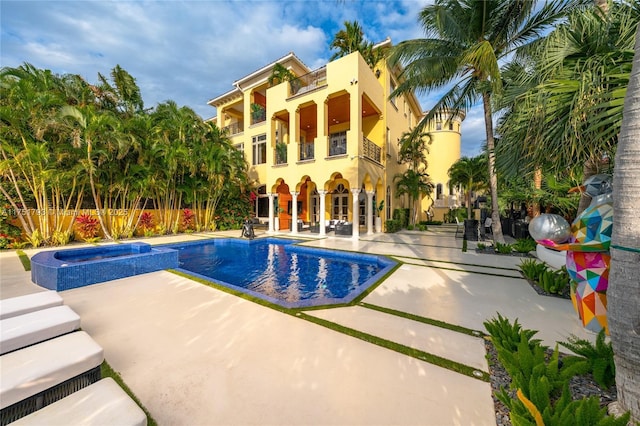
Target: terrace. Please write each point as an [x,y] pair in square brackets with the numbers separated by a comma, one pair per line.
[197,353]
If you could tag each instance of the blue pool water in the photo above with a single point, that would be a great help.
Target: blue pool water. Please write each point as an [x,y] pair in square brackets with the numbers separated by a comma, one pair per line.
[282,272]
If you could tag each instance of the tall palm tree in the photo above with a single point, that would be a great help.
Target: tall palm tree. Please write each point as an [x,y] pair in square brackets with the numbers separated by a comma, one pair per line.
[466,41]
[567,96]
[470,174]
[416,184]
[351,39]
[624,287]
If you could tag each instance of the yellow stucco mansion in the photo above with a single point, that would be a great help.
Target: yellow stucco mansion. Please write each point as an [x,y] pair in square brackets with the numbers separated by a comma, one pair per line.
[326,142]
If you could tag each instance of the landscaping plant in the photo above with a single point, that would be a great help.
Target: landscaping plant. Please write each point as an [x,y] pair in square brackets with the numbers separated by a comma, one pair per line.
[504,248]
[599,357]
[524,245]
[87,227]
[540,382]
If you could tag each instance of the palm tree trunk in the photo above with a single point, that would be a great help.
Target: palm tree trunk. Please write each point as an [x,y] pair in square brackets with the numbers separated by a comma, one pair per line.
[537,184]
[496,226]
[624,287]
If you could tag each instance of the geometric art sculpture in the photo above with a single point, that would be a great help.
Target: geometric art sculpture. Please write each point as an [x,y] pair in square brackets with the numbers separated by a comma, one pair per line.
[588,258]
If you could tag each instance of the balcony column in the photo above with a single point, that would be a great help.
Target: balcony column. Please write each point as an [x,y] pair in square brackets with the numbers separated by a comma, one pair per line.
[354,213]
[294,212]
[369,212]
[271,212]
[323,230]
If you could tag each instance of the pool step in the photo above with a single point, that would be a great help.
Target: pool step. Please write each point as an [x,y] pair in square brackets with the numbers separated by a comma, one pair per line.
[455,346]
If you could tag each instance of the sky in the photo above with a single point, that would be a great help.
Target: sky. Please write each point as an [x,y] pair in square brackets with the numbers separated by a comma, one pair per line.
[192,51]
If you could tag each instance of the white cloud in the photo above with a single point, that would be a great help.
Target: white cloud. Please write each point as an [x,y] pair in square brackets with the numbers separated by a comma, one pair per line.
[190,51]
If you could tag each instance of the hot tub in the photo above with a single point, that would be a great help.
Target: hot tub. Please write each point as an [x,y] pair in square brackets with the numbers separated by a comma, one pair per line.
[66,269]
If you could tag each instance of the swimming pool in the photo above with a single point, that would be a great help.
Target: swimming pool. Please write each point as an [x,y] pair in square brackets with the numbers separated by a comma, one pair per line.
[281,272]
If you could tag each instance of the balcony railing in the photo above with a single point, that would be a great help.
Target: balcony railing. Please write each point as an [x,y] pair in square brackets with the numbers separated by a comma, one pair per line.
[337,144]
[306,83]
[371,151]
[306,151]
[233,129]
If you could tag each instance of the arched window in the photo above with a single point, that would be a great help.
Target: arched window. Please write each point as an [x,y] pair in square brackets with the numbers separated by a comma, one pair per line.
[439,194]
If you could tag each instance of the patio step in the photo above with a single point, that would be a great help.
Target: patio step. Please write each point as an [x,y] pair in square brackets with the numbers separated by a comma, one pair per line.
[451,345]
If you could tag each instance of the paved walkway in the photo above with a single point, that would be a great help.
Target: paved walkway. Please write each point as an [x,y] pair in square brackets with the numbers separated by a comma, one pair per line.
[195,355]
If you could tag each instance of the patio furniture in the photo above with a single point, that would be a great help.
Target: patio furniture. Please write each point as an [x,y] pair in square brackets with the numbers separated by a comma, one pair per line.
[486,228]
[28,303]
[302,226]
[344,228]
[35,327]
[38,375]
[459,227]
[102,403]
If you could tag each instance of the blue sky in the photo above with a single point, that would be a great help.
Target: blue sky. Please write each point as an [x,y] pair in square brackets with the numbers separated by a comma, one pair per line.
[192,51]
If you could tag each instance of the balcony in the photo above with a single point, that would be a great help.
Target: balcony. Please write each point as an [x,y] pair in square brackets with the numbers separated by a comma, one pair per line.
[337,144]
[258,113]
[371,151]
[308,82]
[307,151]
[233,129]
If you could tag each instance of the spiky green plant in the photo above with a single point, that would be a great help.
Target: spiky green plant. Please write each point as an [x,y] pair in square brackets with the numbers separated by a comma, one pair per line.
[599,357]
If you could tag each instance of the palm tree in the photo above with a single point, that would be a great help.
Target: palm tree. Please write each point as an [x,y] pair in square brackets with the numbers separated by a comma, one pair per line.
[624,288]
[567,96]
[280,74]
[470,174]
[416,184]
[351,39]
[466,41]
[414,148]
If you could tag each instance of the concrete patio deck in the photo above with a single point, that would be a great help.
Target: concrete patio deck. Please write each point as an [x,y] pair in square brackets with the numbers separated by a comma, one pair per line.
[195,355]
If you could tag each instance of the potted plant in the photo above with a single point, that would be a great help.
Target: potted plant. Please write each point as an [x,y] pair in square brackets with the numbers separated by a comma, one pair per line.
[281,153]
[379,209]
[276,217]
[257,113]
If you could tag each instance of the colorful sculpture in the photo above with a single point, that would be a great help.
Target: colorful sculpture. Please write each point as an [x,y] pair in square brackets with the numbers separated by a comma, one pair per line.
[587,249]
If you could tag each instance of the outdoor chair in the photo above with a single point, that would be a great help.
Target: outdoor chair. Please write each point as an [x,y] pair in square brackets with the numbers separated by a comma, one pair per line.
[345,228]
[459,227]
[488,226]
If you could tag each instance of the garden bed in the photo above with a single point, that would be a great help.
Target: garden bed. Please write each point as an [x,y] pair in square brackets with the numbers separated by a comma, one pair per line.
[583,386]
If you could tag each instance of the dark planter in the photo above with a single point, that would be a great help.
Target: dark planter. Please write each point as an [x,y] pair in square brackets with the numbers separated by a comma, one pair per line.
[471,229]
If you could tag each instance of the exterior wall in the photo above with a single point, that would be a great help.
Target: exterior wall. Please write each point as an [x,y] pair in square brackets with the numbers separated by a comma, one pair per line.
[345,96]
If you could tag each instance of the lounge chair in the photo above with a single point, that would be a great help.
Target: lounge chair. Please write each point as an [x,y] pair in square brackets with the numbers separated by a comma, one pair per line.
[102,403]
[15,306]
[38,375]
[35,327]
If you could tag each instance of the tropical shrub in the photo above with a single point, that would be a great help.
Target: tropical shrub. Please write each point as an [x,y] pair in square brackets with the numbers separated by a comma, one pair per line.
[392,226]
[87,226]
[524,245]
[146,224]
[61,238]
[532,268]
[188,218]
[503,248]
[9,233]
[541,382]
[554,282]
[598,356]
[401,215]
[507,336]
